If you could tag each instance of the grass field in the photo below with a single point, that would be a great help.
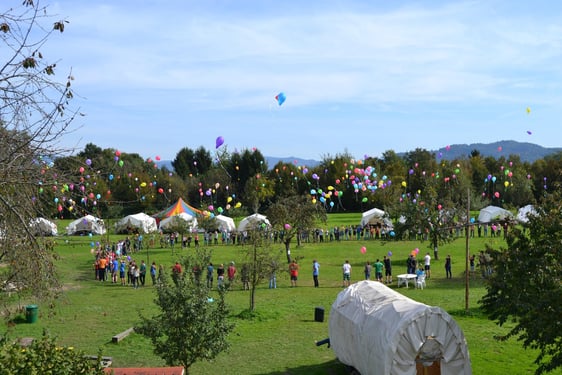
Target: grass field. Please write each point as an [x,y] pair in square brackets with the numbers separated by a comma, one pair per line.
[281,338]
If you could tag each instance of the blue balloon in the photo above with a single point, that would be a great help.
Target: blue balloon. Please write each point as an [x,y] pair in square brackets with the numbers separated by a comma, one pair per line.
[280,98]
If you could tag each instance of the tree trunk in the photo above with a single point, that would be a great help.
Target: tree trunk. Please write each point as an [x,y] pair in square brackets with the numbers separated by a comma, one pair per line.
[288,249]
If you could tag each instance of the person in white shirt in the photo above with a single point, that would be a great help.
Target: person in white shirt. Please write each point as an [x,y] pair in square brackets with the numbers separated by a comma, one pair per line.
[427,265]
[346,273]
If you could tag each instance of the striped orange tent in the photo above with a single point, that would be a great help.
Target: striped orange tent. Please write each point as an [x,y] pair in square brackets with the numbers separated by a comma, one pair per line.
[177,208]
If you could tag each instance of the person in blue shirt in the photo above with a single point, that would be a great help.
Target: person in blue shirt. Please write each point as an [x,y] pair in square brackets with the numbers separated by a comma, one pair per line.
[315,272]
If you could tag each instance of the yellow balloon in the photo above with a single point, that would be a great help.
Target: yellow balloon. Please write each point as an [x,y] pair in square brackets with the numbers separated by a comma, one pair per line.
[330,187]
[404,184]
[313,200]
[238,205]
[506,184]
[229,199]
[143,184]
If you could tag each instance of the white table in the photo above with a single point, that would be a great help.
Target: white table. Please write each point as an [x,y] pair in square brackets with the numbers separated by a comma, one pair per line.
[405,278]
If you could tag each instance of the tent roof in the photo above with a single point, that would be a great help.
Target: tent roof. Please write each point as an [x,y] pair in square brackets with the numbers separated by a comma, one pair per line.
[42,226]
[375,215]
[225,223]
[87,223]
[182,216]
[492,213]
[141,221]
[252,222]
[374,327]
[524,212]
[176,208]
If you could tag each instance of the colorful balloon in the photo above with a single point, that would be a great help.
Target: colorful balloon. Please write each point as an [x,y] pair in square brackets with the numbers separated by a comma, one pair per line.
[281,97]
[219,142]
[363,250]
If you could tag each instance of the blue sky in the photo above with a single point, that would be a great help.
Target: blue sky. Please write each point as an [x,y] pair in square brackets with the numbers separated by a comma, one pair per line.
[360,76]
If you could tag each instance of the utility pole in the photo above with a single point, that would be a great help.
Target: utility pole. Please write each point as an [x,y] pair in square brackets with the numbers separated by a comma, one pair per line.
[467,255]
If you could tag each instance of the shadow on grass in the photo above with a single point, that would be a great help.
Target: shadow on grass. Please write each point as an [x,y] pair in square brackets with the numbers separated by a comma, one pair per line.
[333,367]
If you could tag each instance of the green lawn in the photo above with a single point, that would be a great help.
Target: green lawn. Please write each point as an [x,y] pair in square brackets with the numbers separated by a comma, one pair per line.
[281,339]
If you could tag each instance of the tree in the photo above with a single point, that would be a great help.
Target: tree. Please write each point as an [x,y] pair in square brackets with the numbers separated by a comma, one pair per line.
[35,112]
[292,215]
[525,287]
[45,356]
[191,326]
[261,261]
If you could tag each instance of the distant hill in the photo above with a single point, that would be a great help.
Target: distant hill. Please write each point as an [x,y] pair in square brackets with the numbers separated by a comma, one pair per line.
[526,151]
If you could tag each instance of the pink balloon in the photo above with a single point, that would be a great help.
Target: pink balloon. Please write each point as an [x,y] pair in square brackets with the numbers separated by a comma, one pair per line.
[287,226]
[363,250]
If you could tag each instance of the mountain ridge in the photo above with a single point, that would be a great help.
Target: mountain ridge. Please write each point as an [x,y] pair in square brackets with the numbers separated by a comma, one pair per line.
[528,152]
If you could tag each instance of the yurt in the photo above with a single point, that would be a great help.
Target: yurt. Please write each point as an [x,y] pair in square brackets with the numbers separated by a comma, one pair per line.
[86,224]
[377,330]
[140,222]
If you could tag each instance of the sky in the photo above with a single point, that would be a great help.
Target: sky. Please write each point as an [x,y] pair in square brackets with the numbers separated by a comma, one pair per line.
[360,77]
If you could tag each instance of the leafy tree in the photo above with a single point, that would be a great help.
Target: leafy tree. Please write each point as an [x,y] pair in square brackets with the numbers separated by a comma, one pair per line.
[292,215]
[261,261]
[525,287]
[35,112]
[190,326]
[45,356]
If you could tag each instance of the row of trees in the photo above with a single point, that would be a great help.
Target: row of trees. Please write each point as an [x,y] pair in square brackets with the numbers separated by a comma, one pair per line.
[113,184]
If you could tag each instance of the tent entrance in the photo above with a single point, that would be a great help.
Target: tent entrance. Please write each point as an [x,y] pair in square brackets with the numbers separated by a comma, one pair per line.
[428,360]
[433,369]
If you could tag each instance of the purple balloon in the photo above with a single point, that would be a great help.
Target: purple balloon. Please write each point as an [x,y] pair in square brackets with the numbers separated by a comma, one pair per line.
[219,142]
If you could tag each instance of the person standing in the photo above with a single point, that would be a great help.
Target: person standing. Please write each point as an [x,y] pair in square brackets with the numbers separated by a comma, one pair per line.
[153,272]
[122,271]
[387,269]
[427,265]
[346,268]
[231,271]
[294,272]
[378,270]
[315,272]
[448,272]
[102,263]
[368,269]
[210,270]
[272,276]
[142,273]
[220,276]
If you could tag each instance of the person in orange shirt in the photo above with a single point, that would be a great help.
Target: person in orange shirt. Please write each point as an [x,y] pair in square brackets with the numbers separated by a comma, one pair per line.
[102,263]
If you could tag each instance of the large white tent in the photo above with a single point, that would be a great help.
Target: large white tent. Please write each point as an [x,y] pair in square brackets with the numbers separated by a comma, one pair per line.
[43,227]
[253,222]
[524,212]
[225,223]
[376,216]
[141,222]
[86,224]
[182,219]
[377,330]
[492,213]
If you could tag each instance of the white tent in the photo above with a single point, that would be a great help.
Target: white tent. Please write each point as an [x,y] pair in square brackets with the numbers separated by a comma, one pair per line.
[253,222]
[225,223]
[86,224]
[43,227]
[492,213]
[182,219]
[141,222]
[376,216]
[377,330]
[524,212]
